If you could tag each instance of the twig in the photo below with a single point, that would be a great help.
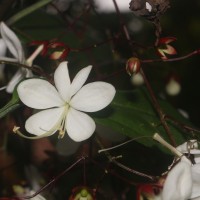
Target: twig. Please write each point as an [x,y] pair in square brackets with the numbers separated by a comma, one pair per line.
[196,52]
[54,179]
[149,88]
[113,160]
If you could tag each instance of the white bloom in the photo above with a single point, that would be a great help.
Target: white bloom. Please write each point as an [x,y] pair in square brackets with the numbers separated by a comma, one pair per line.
[178,184]
[14,46]
[173,87]
[183,181]
[137,79]
[2,54]
[20,191]
[64,103]
[148,6]
[37,197]
[191,148]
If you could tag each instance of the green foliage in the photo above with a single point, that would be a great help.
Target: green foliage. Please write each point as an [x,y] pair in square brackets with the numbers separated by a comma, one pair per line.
[131,113]
[11,105]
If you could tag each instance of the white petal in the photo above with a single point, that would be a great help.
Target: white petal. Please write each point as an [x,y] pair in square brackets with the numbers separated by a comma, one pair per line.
[197,159]
[12,42]
[2,53]
[79,80]
[196,172]
[44,121]
[195,191]
[39,94]
[178,184]
[8,59]
[189,147]
[79,125]
[148,7]
[14,81]
[2,48]
[196,181]
[93,97]
[62,80]
[38,197]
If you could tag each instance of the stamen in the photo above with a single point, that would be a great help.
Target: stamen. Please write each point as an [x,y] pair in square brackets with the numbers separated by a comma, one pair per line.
[59,126]
[62,125]
[158,138]
[18,132]
[62,129]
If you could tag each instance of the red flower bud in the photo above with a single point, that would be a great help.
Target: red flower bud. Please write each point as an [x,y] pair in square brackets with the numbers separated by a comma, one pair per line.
[82,192]
[164,47]
[133,65]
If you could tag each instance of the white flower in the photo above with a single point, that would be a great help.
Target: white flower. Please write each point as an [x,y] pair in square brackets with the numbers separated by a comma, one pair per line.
[173,87]
[14,46]
[2,54]
[183,181]
[178,184]
[148,6]
[64,103]
[22,191]
[191,148]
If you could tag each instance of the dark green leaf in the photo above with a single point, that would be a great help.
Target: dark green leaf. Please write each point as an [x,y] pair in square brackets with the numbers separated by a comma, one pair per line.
[132,114]
[11,105]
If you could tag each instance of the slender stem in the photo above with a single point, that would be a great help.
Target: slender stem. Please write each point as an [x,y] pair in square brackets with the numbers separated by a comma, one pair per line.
[113,160]
[124,143]
[84,172]
[182,125]
[196,52]
[149,88]
[54,179]
[123,26]
[112,172]
[32,68]
[158,108]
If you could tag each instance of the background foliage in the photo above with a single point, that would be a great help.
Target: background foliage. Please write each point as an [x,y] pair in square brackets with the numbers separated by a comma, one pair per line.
[96,38]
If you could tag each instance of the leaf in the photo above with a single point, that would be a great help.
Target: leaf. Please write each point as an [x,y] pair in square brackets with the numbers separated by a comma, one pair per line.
[27,11]
[132,114]
[11,105]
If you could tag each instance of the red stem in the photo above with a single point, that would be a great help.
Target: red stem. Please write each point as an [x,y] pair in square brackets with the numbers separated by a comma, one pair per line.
[149,88]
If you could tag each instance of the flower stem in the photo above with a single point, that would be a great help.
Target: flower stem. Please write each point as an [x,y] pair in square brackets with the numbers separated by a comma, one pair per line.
[149,88]
[55,179]
[158,108]
[196,52]
[113,160]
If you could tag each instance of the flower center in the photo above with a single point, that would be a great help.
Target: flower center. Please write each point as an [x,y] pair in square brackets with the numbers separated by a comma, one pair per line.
[61,129]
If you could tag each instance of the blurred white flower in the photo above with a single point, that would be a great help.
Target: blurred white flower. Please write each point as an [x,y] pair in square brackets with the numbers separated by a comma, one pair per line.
[11,42]
[26,192]
[173,87]
[15,48]
[64,103]
[2,54]
[137,79]
[178,184]
[61,5]
[183,181]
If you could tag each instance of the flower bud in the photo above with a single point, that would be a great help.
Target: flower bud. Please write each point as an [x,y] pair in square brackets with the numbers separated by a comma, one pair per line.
[133,65]
[137,79]
[173,87]
[82,193]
